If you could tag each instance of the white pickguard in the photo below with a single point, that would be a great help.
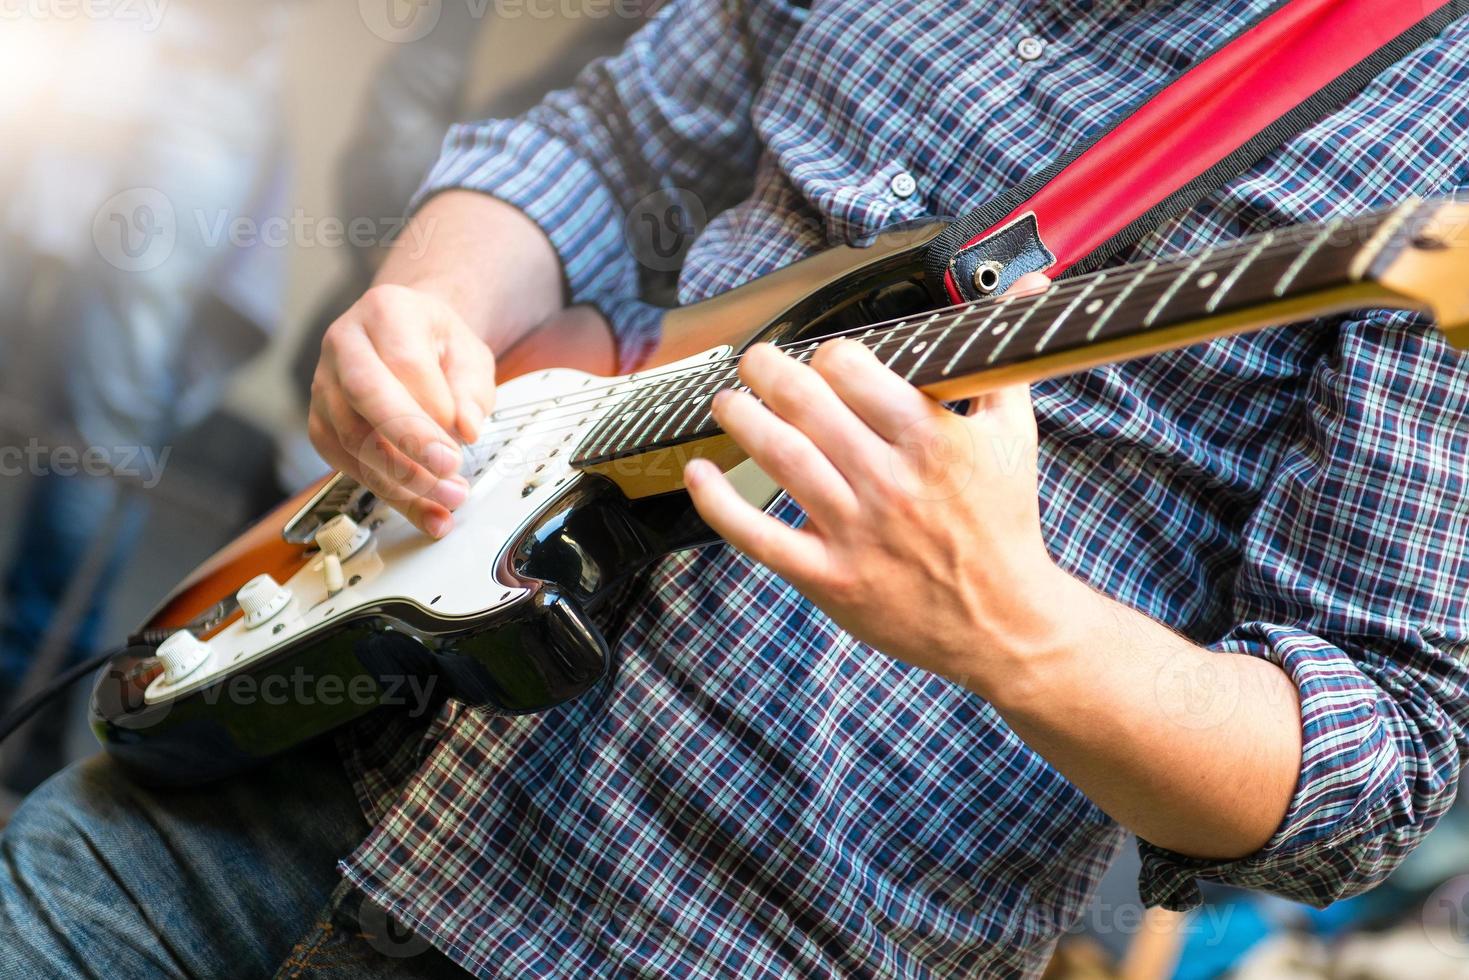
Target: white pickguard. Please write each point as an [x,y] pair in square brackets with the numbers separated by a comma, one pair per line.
[455,577]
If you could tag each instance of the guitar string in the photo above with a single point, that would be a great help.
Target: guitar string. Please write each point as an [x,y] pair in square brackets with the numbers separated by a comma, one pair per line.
[614,444]
[922,320]
[1283,241]
[697,376]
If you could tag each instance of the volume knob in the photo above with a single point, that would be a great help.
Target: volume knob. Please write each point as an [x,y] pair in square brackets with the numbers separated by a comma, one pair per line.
[261,598]
[341,536]
[181,654]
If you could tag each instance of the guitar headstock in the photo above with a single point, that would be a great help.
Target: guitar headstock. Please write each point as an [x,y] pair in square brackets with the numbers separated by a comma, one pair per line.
[1426,259]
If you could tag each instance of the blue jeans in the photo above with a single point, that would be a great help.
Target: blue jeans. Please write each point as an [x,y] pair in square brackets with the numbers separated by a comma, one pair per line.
[100,877]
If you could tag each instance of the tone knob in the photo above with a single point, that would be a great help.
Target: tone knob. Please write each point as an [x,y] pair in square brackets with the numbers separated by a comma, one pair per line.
[341,536]
[261,598]
[181,654]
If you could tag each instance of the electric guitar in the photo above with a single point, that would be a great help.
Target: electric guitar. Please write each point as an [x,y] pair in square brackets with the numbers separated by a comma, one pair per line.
[333,604]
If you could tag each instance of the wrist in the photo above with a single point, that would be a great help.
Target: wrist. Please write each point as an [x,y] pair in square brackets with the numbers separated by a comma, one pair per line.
[484,258]
[1034,632]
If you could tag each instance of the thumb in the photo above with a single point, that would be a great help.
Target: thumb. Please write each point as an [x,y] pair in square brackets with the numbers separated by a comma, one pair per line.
[1012,403]
[1031,282]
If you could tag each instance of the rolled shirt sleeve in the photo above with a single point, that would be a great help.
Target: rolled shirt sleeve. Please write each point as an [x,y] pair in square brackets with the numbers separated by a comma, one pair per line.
[1353,581]
[671,111]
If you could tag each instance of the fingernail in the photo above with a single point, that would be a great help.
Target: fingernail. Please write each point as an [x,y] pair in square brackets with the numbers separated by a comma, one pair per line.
[442,460]
[438,525]
[451,492]
[696,471]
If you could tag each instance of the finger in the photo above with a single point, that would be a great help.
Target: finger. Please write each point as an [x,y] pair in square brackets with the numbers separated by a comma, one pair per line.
[1031,282]
[378,464]
[796,556]
[379,397]
[800,395]
[787,456]
[1012,404]
[1008,405]
[888,404]
[469,367]
[428,516]
[425,500]
[415,361]
[1005,419]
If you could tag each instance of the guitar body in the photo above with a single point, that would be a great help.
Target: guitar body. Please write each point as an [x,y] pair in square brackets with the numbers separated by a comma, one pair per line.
[500,613]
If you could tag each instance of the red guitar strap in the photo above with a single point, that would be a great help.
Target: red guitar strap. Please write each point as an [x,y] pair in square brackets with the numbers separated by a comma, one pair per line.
[1296,63]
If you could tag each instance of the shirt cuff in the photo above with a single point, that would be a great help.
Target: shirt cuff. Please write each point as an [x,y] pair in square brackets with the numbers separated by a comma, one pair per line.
[1350,767]
[543,176]
[637,326]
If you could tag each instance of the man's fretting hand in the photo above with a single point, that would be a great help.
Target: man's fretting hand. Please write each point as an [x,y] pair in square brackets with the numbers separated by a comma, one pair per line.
[923,527]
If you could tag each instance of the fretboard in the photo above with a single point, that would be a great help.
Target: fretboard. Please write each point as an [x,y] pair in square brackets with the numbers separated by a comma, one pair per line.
[940,351]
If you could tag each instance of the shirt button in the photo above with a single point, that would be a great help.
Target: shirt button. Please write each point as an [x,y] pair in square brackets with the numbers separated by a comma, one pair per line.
[1029,48]
[903,184]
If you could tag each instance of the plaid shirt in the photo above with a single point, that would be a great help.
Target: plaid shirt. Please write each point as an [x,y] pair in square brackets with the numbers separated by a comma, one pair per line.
[759,795]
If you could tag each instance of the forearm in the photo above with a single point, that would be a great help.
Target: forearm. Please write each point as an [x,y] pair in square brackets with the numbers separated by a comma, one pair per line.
[1195,751]
[486,259]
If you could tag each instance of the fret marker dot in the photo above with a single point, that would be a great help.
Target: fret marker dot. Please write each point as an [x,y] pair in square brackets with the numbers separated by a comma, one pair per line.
[1208,279]
[1093,306]
[1000,327]
[918,347]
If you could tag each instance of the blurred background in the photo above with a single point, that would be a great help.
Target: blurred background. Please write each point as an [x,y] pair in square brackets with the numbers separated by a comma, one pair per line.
[192,191]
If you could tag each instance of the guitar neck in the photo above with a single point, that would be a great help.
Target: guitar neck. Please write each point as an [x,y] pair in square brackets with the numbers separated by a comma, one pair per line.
[1282,276]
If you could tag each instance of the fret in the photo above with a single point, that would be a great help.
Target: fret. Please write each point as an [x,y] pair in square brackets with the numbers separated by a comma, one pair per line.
[1097,280]
[943,335]
[887,335]
[674,422]
[1174,287]
[1116,302]
[647,415]
[701,406]
[1000,306]
[917,335]
[1379,239]
[597,437]
[1238,270]
[1035,304]
[892,334]
[641,413]
[1294,269]
[610,432]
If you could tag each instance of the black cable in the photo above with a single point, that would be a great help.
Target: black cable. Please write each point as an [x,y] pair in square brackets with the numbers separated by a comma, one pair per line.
[23,712]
